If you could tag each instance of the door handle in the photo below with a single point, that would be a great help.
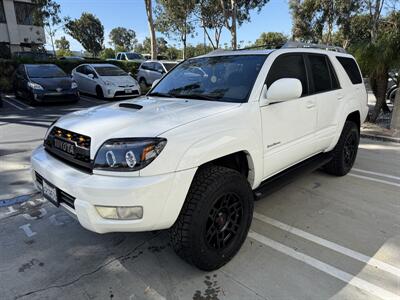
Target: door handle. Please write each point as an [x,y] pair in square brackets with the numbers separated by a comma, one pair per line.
[340,96]
[310,104]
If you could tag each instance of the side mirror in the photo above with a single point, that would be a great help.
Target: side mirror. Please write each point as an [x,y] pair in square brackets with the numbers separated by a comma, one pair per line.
[155,83]
[130,74]
[281,90]
[91,76]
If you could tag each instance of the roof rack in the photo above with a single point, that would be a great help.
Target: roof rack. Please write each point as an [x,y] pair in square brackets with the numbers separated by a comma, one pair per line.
[294,44]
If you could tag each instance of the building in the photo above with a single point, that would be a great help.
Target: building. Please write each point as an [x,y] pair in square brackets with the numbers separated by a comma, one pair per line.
[18,31]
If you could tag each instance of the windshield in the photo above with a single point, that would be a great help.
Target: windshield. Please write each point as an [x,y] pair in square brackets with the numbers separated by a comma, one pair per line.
[218,78]
[45,71]
[169,66]
[110,71]
[133,56]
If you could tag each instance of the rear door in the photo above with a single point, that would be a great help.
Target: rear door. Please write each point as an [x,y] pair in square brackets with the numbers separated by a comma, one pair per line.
[324,85]
[80,77]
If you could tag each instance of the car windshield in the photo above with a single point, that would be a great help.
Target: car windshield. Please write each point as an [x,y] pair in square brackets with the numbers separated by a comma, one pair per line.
[45,71]
[133,56]
[110,71]
[218,78]
[169,66]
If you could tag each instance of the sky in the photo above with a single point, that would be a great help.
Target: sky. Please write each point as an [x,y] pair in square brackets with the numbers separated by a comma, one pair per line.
[131,14]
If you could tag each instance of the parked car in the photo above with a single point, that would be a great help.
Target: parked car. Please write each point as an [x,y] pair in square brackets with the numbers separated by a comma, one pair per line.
[44,83]
[200,146]
[150,71]
[147,56]
[129,56]
[105,81]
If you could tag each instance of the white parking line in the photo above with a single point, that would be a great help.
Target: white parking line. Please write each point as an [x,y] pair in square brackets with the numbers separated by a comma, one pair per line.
[21,103]
[375,179]
[328,244]
[319,265]
[16,106]
[376,173]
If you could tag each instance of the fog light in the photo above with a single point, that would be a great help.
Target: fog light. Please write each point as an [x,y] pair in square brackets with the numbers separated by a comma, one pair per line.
[120,212]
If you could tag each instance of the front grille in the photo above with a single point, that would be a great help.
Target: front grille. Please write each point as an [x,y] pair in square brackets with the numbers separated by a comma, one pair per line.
[122,93]
[62,196]
[81,157]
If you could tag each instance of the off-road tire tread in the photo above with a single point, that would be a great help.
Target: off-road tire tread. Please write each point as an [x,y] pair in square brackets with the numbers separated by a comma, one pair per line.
[336,165]
[180,237]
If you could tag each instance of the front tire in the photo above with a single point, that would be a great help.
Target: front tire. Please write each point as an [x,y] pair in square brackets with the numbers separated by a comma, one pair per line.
[345,152]
[99,92]
[215,218]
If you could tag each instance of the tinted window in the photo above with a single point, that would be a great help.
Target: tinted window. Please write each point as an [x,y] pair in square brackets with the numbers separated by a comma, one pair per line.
[288,66]
[320,73]
[80,69]
[158,67]
[110,71]
[133,56]
[334,79]
[351,69]
[24,13]
[217,78]
[169,66]
[119,56]
[44,71]
[2,14]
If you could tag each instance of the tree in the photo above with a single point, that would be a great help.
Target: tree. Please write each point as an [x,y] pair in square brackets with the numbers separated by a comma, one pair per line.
[378,53]
[48,14]
[63,47]
[211,18]
[145,46]
[153,41]
[314,20]
[123,38]
[107,53]
[174,19]
[236,12]
[272,39]
[88,31]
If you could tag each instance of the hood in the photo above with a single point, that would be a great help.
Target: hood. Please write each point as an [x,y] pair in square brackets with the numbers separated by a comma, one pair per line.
[52,84]
[149,117]
[120,80]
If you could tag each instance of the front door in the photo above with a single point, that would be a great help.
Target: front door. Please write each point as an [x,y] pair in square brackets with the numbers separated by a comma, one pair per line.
[289,126]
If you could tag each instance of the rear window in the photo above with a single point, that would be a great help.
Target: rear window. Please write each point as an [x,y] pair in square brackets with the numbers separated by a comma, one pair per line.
[110,71]
[351,69]
[45,71]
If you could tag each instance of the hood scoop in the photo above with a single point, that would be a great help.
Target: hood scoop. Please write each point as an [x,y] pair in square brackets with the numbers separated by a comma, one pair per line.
[130,105]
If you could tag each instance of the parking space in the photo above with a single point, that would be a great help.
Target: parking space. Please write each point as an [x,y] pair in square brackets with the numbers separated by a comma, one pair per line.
[320,237]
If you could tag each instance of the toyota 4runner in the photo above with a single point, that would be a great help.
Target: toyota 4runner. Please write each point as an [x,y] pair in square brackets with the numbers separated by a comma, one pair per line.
[206,140]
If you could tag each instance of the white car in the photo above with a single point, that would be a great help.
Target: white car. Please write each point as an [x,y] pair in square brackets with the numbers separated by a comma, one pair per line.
[105,81]
[153,70]
[209,137]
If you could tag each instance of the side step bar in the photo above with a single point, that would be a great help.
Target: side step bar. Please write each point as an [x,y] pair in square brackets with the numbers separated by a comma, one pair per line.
[283,178]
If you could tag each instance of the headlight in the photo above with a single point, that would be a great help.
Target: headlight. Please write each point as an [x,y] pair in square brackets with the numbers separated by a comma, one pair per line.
[109,83]
[35,86]
[125,155]
[74,85]
[48,129]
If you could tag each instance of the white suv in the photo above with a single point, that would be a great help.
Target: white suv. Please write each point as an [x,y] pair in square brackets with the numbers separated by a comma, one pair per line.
[193,153]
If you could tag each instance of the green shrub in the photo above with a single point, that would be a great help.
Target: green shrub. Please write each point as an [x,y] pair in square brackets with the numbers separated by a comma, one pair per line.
[8,67]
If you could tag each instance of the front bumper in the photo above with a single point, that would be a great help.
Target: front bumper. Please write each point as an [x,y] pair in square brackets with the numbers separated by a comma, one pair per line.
[120,92]
[46,96]
[161,196]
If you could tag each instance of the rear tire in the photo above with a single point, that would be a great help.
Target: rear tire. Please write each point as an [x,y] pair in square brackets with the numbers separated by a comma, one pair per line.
[215,218]
[345,152]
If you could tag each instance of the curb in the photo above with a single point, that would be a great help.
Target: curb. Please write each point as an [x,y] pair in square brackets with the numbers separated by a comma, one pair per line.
[381,138]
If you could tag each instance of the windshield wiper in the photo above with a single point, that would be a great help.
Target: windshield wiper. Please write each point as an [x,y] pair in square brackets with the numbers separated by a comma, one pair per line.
[165,95]
[197,97]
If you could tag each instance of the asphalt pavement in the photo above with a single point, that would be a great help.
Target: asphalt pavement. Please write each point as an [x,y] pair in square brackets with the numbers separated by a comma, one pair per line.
[320,237]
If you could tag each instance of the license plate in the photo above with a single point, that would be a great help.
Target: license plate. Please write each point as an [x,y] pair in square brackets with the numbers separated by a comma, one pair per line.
[128,91]
[65,146]
[50,192]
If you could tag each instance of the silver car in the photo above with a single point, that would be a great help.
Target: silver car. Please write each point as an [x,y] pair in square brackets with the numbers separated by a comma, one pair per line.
[152,70]
[105,81]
